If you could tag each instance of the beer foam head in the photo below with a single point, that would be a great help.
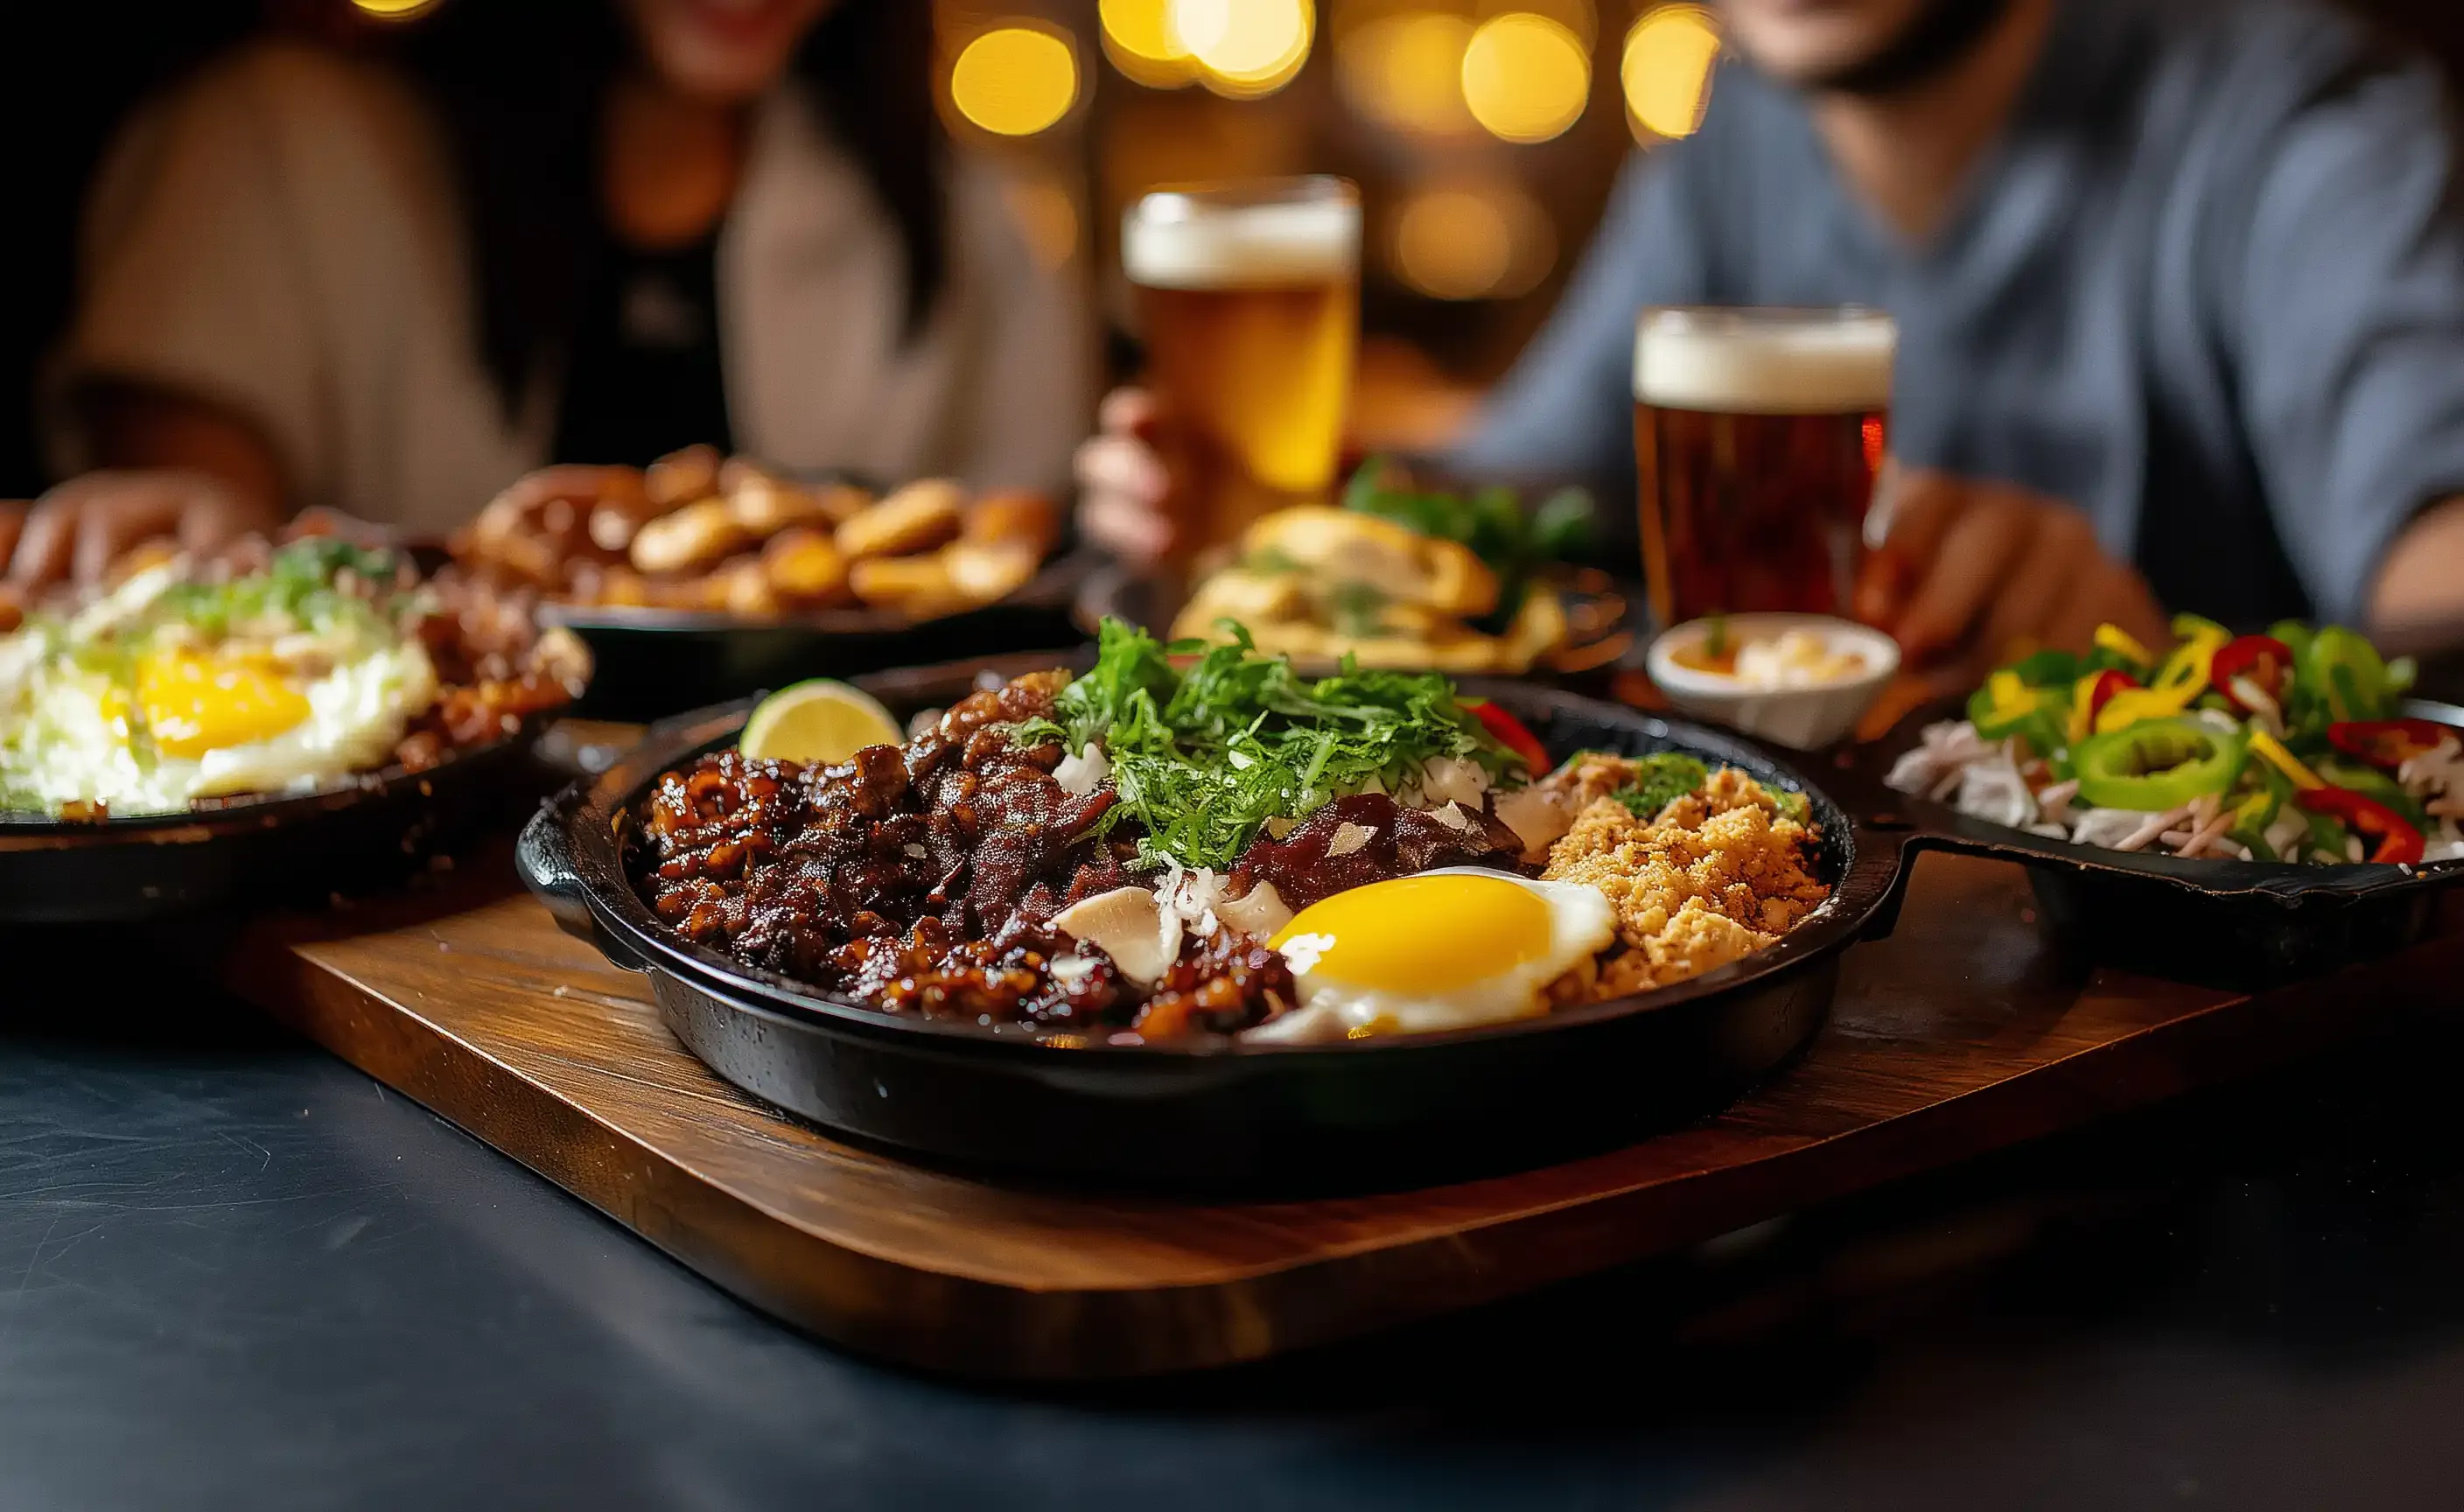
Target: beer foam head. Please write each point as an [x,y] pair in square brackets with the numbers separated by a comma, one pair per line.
[1172,240]
[1764,363]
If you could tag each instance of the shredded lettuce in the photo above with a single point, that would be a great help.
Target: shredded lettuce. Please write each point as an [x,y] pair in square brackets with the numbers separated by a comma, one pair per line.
[1202,758]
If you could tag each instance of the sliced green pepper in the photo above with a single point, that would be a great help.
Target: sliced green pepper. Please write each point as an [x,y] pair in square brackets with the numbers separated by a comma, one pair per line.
[2156,764]
[2344,672]
[2252,817]
[2047,670]
[2036,717]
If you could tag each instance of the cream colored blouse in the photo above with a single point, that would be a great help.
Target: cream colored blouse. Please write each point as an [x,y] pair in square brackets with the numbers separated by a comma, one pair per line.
[281,238]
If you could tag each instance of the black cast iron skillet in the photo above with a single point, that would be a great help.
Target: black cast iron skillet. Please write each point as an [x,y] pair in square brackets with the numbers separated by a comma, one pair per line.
[2225,923]
[1372,1113]
[361,836]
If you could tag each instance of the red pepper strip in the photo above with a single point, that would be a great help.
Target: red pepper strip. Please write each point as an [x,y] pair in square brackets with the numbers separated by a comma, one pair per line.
[2266,661]
[2388,742]
[2399,844]
[2109,682]
[1512,734]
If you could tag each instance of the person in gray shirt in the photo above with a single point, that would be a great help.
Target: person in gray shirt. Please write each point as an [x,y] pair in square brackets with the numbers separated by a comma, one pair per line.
[2180,287]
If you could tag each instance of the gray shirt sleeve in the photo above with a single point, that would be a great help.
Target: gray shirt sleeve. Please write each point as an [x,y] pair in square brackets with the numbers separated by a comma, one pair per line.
[1566,410]
[2350,326]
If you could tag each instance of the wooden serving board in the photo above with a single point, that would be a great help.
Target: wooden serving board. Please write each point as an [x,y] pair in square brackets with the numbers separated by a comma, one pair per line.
[1960,1034]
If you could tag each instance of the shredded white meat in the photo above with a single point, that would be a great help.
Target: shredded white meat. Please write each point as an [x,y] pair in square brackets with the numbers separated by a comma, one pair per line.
[1983,778]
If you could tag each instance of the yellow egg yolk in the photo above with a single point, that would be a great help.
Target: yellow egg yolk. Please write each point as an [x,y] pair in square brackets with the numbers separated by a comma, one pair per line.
[195,703]
[1421,934]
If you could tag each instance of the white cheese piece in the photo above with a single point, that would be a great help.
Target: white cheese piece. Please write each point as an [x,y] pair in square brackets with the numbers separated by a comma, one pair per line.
[1082,774]
[1261,914]
[1453,816]
[1349,837]
[1537,817]
[1453,779]
[1070,969]
[1131,926]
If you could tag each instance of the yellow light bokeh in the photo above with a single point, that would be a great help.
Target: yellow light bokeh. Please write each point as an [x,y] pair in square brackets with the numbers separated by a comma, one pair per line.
[1525,77]
[1405,70]
[1247,48]
[1142,41]
[1015,80]
[393,10]
[1668,68]
[1479,241]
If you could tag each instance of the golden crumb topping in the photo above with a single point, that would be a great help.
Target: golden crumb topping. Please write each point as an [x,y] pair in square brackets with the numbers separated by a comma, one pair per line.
[1715,876]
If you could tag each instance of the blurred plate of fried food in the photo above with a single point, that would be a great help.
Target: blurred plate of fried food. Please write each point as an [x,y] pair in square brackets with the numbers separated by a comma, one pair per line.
[702,577]
[1400,576]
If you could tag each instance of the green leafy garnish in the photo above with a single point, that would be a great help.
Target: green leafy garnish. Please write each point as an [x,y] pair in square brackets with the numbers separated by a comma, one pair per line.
[1664,778]
[297,585]
[1202,758]
[1489,521]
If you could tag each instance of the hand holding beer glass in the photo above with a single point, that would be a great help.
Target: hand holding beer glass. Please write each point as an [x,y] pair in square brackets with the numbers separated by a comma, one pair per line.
[1249,298]
[1758,435]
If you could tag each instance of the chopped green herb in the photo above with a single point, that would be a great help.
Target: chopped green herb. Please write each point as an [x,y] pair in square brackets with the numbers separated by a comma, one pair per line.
[1664,777]
[1202,758]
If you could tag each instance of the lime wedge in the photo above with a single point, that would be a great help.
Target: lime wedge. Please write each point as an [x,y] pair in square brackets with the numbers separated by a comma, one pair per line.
[819,721]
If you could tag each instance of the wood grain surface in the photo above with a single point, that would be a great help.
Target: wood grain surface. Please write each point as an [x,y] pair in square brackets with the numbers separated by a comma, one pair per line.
[1959,1034]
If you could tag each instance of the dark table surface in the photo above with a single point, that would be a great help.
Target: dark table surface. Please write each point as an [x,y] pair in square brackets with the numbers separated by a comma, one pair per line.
[236,1273]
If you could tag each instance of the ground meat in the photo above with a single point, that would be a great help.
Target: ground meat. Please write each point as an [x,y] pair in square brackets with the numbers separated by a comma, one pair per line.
[925,878]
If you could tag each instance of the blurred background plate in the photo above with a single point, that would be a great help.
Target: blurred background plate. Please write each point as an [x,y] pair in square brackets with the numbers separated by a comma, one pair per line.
[1602,616]
[652,663]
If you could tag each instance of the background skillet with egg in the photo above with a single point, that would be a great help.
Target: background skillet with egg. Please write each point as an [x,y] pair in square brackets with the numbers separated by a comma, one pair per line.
[330,769]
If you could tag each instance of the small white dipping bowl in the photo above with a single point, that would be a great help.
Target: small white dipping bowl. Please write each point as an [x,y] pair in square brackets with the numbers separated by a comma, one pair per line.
[1800,717]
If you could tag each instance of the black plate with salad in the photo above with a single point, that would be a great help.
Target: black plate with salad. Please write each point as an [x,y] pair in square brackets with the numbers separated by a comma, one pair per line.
[2234,808]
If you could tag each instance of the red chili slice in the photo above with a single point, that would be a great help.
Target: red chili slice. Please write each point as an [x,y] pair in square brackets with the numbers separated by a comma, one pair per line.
[1512,734]
[2387,743]
[2263,660]
[2109,682]
[2399,844]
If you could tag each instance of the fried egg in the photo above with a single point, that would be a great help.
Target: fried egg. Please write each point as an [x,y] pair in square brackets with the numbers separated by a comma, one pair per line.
[1440,950]
[188,724]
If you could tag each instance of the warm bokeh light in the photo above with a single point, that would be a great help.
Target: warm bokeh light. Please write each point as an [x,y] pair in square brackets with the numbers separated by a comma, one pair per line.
[1015,80]
[1480,241]
[1525,77]
[1247,48]
[392,9]
[1405,70]
[1668,68]
[1144,44]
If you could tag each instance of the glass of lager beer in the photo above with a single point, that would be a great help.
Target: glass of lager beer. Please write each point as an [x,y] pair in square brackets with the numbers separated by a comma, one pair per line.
[1250,299]
[1757,435]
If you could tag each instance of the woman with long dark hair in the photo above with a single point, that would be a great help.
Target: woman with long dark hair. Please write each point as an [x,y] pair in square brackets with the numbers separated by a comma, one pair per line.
[586,231]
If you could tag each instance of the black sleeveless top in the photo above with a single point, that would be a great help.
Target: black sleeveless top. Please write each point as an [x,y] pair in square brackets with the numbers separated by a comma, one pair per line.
[644,376]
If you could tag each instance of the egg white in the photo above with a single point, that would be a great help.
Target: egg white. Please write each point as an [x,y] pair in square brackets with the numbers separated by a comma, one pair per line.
[66,748]
[1581,925]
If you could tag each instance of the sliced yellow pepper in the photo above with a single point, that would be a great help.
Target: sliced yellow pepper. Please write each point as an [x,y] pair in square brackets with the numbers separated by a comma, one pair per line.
[2272,750]
[2131,705]
[2008,695]
[2186,669]
[2121,643]
[2082,693]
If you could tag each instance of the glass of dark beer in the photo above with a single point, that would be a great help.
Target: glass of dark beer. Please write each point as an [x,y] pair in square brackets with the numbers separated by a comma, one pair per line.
[1758,433]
